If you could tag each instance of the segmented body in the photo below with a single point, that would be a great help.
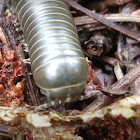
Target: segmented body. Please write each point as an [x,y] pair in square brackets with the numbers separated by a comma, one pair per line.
[57,61]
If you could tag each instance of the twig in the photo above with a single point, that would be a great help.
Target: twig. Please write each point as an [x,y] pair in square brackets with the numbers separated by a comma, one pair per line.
[104,21]
[118,71]
[98,103]
[82,20]
[127,79]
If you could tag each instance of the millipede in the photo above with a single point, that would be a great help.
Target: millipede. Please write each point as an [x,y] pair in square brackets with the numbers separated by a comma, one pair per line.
[57,61]
[43,64]
[51,85]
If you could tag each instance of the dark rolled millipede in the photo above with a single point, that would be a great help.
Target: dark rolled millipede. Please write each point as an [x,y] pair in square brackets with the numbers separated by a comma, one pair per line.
[57,60]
